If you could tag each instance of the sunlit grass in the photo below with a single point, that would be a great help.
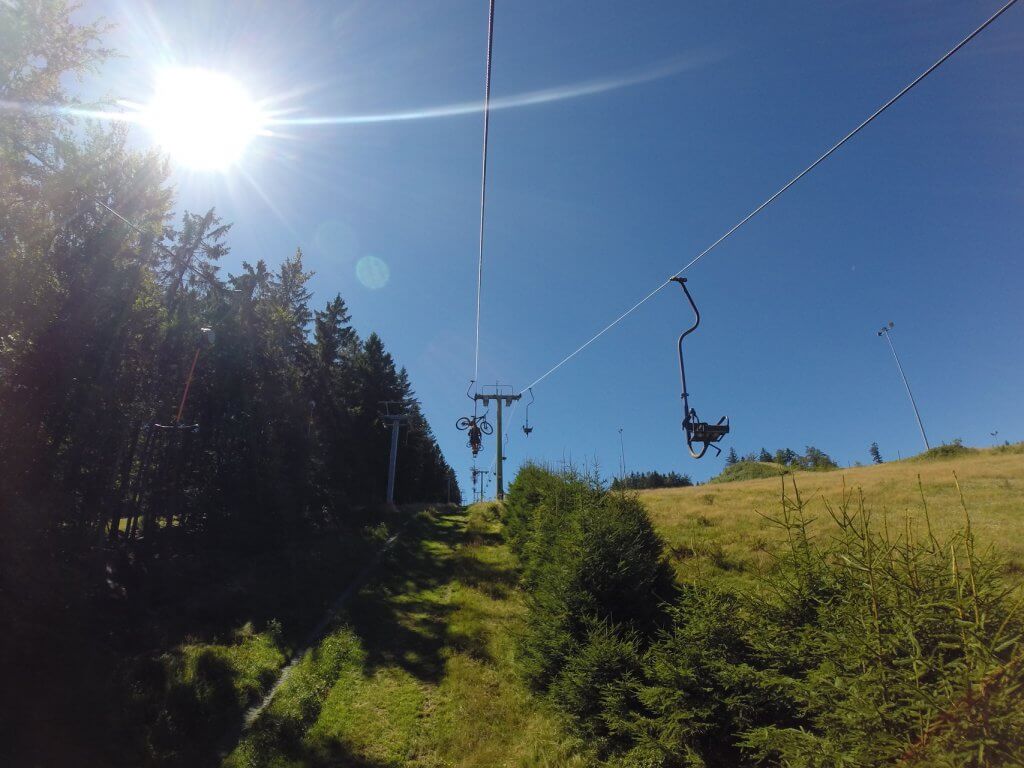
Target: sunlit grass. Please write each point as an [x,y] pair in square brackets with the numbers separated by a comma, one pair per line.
[252,662]
[716,529]
[428,674]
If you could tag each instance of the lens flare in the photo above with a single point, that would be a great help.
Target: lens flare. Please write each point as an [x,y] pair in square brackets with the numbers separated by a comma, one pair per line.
[372,272]
[666,69]
[203,119]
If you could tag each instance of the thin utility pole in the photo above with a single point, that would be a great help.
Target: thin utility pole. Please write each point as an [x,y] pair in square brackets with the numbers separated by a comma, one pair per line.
[886,331]
[502,399]
[622,458]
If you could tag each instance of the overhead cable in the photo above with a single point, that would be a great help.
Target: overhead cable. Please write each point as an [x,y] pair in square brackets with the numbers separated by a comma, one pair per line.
[483,187]
[906,89]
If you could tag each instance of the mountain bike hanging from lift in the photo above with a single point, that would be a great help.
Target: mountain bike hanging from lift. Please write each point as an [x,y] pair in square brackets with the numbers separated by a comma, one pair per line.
[477,426]
[696,431]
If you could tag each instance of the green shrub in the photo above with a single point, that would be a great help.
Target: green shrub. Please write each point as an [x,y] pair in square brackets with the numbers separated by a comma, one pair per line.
[595,684]
[875,645]
[750,470]
[597,583]
[704,683]
[911,631]
[532,486]
[953,450]
[590,557]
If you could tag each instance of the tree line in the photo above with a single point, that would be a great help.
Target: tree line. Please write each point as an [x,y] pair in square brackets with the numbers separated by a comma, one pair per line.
[101,322]
[811,458]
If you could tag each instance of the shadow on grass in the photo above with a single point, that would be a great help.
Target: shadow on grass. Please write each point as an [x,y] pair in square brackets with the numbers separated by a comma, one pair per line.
[281,740]
[402,616]
[494,579]
[402,619]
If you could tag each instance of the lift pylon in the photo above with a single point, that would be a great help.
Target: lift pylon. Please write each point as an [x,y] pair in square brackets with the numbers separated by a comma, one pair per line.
[501,398]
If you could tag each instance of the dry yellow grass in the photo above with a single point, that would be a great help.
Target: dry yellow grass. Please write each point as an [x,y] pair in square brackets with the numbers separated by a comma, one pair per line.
[717,528]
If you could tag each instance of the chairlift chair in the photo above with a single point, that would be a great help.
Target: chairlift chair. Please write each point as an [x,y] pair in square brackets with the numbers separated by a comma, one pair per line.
[527,429]
[697,431]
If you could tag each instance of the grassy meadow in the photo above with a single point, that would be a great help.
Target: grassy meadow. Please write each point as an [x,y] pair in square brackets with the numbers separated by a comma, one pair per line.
[419,670]
[720,530]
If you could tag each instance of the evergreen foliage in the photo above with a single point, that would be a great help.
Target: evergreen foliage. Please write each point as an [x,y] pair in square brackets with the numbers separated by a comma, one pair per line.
[101,325]
[876,455]
[597,583]
[104,509]
[877,645]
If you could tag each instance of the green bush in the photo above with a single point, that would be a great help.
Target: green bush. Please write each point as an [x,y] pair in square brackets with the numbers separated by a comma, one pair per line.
[595,684]
[597,585]
[912,631]
[953,450]
[876,645]
[591,557]
[532,486]
[750,470]
[703,683]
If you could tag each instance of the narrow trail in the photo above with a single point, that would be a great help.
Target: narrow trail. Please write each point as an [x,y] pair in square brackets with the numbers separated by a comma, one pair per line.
[429,679]
[317,633]
[308,645]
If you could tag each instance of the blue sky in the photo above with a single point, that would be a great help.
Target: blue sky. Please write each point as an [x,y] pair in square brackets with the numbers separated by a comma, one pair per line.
[593,201]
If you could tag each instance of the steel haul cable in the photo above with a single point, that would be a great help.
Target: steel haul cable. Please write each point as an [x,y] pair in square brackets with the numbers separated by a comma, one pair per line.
[483,186]
[779,193]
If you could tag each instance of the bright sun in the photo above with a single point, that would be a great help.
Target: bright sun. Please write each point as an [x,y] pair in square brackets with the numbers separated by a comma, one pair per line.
[203,119]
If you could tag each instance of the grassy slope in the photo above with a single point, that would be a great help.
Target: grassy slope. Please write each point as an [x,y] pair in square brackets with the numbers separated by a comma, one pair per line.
[161,664]
[422,671]
[715,529]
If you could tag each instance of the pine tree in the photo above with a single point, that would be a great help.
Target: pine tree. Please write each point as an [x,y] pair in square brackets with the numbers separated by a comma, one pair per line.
[100,322]
[731,458]
[876,455]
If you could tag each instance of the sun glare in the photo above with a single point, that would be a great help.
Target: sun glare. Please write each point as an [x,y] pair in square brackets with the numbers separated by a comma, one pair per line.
[205,120]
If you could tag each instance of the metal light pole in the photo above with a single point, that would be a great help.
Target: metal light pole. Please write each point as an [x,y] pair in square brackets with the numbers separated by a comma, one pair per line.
[885,331]
[622,458]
